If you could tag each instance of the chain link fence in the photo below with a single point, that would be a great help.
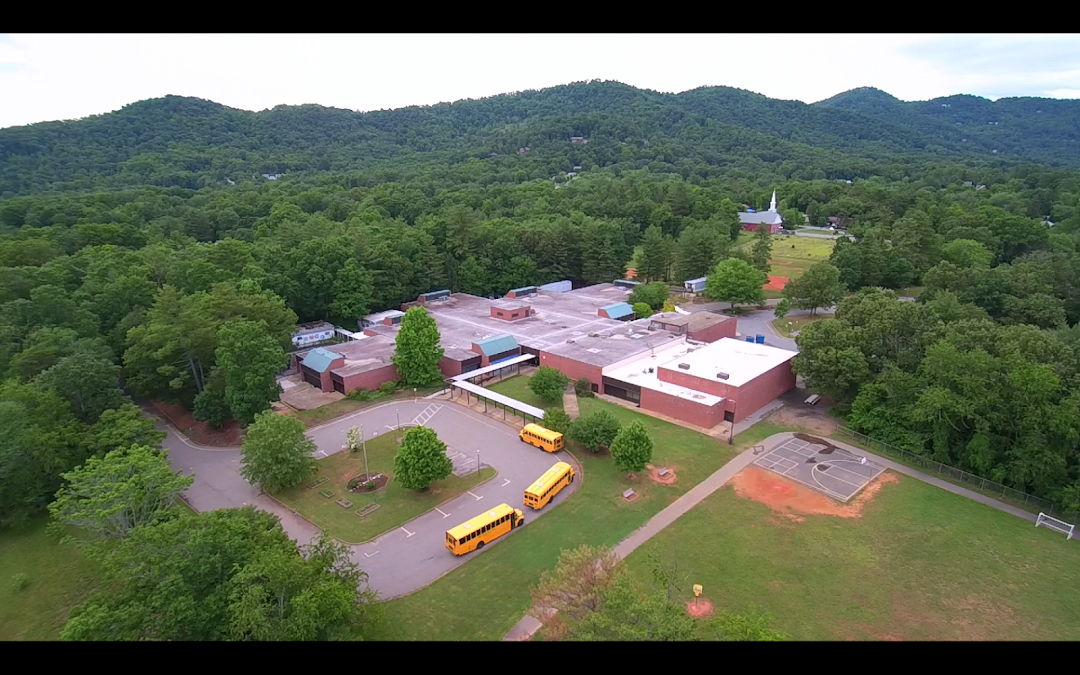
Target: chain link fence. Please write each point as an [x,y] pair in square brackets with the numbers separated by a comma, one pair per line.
[985,486]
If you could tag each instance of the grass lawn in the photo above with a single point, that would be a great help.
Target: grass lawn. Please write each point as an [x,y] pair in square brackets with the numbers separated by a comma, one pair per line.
[346,406]
[396,504]
[484,598]
[59,578]
[791,323]
[517,387]
[796,254]
[910,291]
[920,564]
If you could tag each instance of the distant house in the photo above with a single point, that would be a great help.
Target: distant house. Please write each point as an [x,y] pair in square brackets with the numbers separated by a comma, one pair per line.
[577,167]
[750,219]
[968,183]
[312,333]
[579,139]
[839,222]
[523,151]
[980,187]
[272,176]
[570,174]
[695,285]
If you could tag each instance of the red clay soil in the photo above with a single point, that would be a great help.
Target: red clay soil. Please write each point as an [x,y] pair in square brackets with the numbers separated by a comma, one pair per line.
[654,475]
[779,262]
[631,273]
[228,436]
[775,284]
[793,501]
[699,607]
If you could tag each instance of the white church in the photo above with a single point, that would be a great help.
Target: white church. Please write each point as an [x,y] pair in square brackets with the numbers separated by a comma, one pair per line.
[750,219]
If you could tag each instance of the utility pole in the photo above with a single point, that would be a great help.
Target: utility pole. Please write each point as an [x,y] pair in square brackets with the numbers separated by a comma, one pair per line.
[731,431]
[478,463]
[398,424]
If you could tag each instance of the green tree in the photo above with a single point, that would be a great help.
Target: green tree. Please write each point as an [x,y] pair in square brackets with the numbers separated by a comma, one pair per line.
[632,447]
[698,250]
[276,453]
[121,428]
[548,383]
[818,287]
[127,488]
[761,251]
[735,281]
[782,308]
[352,294]
[626,614]
[89,383]
[421,460]
[557,419]
[418,353]
[595,430]
[45,347]
[652,294]
[655,260]
[212,407]
[642,310]
[317,595]
[250,360]
[792,219]
[752,627]
[573,588]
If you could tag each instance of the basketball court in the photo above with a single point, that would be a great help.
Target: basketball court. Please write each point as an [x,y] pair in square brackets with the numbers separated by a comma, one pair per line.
[830,470]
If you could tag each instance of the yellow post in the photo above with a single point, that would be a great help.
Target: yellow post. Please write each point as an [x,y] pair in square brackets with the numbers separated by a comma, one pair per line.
[697,593]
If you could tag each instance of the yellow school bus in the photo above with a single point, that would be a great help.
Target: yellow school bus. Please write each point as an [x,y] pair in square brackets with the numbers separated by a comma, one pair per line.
[545,439]
[547,486]
[484,528]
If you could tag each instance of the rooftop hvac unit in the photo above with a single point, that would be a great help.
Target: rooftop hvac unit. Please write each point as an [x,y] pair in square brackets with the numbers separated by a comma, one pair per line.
[722,376]
[684,366]
[594,334]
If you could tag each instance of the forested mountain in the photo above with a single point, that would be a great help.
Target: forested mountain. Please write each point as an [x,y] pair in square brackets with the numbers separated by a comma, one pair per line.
[192,143]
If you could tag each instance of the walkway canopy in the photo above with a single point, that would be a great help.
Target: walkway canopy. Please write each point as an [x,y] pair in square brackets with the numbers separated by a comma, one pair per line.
[463,383]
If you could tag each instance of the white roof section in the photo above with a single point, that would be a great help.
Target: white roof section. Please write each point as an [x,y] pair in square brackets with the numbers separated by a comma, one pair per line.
[495,366]
[741,360]
[379,316]
[499,398]
[637,372]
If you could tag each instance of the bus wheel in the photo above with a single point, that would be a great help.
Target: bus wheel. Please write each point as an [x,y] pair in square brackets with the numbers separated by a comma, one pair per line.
[479,546]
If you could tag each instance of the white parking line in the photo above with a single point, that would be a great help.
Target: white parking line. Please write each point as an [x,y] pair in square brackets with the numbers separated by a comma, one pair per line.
[407,533]
[506,481]
[477,498]
[369,555]
[444,513]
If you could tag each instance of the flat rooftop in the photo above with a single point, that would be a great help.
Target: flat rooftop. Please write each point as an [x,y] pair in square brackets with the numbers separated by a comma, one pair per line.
[613,345]
[694,322]
[363,355]
[741,360]
[637,373]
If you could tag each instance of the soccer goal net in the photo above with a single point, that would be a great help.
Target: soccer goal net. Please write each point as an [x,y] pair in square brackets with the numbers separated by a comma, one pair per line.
[1055,524]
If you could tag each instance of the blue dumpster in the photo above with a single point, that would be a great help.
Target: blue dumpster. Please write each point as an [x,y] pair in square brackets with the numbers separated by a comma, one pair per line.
[761,339]
[749,339]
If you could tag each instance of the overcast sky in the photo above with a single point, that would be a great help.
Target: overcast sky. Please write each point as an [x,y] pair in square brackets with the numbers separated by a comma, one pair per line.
[51,77]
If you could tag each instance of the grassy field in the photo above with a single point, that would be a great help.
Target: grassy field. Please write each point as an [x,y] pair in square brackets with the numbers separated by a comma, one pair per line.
[484,598]
[920,564]
[517,387]
[796,254]
[59,578]
[789,323]
[396,504]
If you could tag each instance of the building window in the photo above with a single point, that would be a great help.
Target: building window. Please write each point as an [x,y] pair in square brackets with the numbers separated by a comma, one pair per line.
[596,389]
[499,314]
[514,315]
[729,416]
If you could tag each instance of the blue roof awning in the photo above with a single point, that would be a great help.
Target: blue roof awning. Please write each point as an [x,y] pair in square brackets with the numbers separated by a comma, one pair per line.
[618,310]
[320,359]
[497,345]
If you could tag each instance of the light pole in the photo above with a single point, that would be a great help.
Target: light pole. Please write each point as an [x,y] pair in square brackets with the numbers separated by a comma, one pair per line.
[363,443]
[398,414]
[477,462]
[731,431]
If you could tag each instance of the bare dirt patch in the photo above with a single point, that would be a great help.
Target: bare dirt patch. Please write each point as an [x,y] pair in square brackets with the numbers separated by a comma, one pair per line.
[654,474]
[228,436]
[793,501]
[806,417]
[699,608]
[779,262]
[775,283]
[357,483]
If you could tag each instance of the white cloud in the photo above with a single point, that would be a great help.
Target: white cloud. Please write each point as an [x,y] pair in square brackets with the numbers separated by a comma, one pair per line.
[48,77]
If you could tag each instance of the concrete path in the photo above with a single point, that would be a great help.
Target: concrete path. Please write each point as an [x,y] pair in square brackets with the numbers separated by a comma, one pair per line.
[569,404]
[413,555]
[528,625]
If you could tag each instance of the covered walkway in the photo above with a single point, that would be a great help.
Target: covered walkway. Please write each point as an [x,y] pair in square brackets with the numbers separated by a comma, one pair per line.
[496,368]
[527,412]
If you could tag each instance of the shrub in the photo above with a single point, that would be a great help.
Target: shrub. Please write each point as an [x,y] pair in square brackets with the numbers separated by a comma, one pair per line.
[583,388]
[556,419]
[632,447]
[362,395]
[20,580]
[642,310]
[595,430]
[388,387]
[370,485]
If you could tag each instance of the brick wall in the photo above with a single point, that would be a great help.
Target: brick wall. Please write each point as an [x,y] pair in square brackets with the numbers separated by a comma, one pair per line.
[324,377]
[510,314]
[449,367]
[575,370]
[371,379]
[682,409]
[742,400]
[714,333]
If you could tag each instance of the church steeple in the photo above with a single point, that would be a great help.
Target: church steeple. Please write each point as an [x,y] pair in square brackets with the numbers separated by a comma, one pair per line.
[772,204]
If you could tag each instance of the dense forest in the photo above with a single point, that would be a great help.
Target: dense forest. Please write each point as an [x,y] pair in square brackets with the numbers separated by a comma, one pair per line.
[142,250]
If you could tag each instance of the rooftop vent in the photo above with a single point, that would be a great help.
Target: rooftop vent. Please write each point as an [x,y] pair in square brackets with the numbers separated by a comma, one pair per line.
[593,350]
[594,334]
[684,366]
[699,396]
[722,376]
[569,342]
